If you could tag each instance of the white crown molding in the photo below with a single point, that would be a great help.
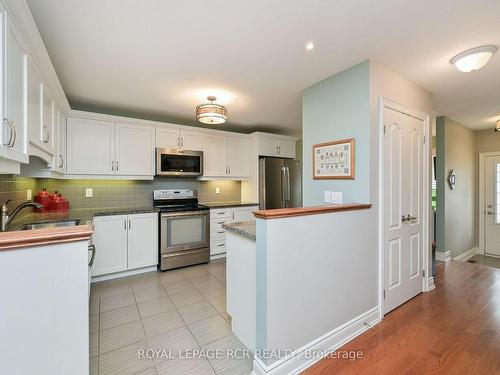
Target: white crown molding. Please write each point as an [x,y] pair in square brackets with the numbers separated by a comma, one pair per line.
[20,14]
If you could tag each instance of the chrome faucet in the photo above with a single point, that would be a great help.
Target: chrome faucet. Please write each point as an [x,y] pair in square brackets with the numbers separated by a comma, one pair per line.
[6,219]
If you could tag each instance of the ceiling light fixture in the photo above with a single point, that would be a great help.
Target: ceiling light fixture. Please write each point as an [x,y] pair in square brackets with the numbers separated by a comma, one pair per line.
[497,126]
[473,59]
[210,113]
[309,46]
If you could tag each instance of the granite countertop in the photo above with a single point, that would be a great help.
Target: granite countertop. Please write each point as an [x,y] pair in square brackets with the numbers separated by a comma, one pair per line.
[228,204]
[84,216]
[245,228]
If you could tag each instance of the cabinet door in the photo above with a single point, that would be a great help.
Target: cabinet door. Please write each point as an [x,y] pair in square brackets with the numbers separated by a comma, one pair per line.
[286,149]
[60,141]
[167,138]
[90,146]
[48,121]
[110,240]
[35,121]
[134,154]
[237,156]
[268,147]
[244,213]
[214,155]
[15,125]
[191,141]
[142,240]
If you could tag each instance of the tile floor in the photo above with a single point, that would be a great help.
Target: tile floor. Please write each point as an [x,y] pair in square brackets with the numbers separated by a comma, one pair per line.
[485,260]
[181,309]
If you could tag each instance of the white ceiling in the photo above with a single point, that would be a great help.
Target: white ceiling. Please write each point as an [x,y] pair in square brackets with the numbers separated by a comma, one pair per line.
[160,58]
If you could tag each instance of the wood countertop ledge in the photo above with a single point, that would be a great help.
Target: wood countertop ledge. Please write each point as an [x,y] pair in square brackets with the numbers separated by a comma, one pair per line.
[39,237]
[314,210]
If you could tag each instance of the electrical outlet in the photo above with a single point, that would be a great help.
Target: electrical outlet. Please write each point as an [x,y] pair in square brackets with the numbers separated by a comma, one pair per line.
[327,196]
[29,194]
[217,190]
[89,193]
[337,197]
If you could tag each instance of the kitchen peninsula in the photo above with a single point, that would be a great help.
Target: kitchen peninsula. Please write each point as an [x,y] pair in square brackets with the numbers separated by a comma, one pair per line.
[330,261]
[44,283]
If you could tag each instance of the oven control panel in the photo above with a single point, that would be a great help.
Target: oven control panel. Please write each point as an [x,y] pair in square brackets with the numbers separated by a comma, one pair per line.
[174,194]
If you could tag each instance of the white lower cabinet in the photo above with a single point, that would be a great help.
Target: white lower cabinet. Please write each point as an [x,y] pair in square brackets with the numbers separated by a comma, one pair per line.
[142,240]
[125,242]
[220,216]
[110,240]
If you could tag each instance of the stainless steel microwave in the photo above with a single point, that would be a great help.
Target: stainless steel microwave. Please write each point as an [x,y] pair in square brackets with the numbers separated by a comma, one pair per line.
[178,163]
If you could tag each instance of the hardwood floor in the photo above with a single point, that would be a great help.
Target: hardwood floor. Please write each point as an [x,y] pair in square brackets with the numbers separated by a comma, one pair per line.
[454,329]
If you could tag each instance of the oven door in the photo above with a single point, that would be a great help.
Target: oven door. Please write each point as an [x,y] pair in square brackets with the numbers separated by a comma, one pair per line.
[172,162]
[183,231]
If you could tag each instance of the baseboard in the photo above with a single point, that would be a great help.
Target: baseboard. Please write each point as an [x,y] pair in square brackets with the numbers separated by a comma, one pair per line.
[298,362]
[117,275]
[467,255]
[430,284]
[443,256]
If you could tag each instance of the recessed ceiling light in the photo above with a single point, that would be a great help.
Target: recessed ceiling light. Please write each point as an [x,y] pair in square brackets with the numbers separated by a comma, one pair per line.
[497,126]
[309,46]
[473,59]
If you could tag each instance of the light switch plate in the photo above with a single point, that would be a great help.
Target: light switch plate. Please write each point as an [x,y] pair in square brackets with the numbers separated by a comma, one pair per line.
[217,190]
[327,196]
[89,193]
[29,194]
[337,197]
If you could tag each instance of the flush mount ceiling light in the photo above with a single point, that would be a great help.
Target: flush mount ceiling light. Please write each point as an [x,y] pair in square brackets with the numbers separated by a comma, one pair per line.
[497,126]
[473,59]
[210,113]
[310,46]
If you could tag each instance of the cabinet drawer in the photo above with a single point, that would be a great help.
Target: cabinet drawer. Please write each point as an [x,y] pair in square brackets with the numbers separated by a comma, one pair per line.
[219,213]
[216,229]
[217,246]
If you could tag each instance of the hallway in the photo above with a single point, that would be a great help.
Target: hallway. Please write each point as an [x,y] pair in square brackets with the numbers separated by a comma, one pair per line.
[454,329]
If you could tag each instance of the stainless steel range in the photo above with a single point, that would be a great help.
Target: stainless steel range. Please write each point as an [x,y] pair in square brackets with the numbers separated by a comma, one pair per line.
[184,228]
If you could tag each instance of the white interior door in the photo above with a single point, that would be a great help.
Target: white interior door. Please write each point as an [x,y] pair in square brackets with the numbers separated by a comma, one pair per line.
[492,205]
[403,207]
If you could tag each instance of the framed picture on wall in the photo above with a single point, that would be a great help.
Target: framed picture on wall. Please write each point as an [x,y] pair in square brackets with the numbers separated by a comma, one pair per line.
[334,160]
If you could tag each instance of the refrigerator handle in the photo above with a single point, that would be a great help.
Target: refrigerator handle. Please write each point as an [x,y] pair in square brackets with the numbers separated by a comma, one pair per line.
[283,185]
[287,177]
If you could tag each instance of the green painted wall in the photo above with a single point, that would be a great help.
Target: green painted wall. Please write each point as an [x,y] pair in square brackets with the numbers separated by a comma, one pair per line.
[338,108]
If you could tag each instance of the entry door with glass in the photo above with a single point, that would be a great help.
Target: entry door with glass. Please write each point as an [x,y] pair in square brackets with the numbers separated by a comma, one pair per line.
[492,205]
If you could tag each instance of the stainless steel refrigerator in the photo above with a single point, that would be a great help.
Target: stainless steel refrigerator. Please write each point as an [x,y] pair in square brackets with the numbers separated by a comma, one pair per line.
[280,183]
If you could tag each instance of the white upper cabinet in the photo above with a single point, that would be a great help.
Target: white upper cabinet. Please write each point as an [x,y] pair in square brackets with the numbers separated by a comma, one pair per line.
[105,148]
[34,106]
[48,120]
[238,157]
[178,139]
[276,147]
[214,156]
[134,151]
[59,159]
[14,119]
[167,138]
[191,141]
[90,146]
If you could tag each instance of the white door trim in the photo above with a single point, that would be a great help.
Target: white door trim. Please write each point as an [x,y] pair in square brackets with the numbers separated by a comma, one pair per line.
[482,192]
[427,281]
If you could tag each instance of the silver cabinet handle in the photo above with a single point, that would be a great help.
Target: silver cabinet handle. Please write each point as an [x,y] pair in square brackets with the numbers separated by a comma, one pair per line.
[117,165]
[125,224]
[61,161]
[112,166]
[13,133]
[45,134]
[129,224]
[221,244]
[11,141]
[221,231]
[92,247]
[6,122]
[178,141]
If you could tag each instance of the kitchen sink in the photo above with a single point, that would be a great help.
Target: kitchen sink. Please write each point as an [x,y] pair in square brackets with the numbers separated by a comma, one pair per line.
[52,224]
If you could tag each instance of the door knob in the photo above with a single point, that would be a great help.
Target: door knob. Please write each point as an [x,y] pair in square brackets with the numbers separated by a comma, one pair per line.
[491,213]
